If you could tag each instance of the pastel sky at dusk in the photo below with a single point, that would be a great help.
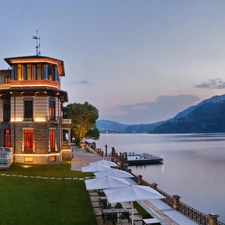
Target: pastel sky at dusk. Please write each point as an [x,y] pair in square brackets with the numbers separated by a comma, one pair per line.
[137,61]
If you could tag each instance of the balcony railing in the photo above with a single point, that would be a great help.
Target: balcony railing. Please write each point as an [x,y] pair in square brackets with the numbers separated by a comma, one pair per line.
[66,121]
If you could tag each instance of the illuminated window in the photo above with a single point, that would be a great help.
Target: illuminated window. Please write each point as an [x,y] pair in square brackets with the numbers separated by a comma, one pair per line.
[51,72]
[28,140]
[52,159]
[52,110]
[29,74]
[39,72]
[6,111]
[19,72]
[28,110]
[28,159]
[7,138]
[24,72]
[52,140]
[34,72]
[7,79]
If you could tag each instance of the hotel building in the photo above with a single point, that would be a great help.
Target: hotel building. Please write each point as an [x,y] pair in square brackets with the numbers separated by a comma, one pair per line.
[31,110]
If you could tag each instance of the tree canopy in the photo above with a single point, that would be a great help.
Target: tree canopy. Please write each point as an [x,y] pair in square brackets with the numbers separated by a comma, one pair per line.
[83,121]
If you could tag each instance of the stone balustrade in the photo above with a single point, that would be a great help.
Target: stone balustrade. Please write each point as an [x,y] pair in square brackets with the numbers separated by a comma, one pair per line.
[6,158]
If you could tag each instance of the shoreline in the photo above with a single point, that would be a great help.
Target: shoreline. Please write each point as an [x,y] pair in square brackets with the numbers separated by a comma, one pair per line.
[158,209]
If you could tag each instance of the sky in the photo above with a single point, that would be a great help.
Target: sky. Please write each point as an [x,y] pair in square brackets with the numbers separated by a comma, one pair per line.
[136,61]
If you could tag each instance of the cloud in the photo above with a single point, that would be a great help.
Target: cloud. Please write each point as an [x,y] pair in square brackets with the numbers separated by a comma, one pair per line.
[80,82]
[163,108]
[216,83]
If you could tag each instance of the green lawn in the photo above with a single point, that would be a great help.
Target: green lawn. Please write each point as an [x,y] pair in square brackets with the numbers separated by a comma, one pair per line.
[44,201]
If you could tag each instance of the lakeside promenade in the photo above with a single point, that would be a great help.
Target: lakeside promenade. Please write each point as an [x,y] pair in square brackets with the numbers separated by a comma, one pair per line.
[158,209]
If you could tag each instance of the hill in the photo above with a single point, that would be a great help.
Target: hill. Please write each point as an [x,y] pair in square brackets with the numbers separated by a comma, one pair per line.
[185,112]
[141,128]
[208,117]
[181,123]
[110,126]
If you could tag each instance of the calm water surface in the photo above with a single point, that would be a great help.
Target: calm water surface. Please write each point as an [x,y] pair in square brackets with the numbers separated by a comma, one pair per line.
[193,168]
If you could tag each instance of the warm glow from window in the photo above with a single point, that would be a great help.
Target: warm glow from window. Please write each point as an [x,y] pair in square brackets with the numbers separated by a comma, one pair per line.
[39,119]
[35,155]
[16,120]
[28,159]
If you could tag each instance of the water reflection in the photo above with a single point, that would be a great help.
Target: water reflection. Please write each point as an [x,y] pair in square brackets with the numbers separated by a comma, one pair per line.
[193,165]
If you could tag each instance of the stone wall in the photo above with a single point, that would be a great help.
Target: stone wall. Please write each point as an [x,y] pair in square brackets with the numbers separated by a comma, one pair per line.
[66,154]
[41,137]
[37,159]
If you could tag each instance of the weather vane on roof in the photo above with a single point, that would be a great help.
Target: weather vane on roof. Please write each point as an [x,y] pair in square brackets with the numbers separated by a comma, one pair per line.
[38,44]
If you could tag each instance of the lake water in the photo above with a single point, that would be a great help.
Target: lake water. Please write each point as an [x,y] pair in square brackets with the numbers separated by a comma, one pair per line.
[193,165]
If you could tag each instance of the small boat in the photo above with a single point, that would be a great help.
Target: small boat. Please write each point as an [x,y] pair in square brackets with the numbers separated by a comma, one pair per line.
[142,159]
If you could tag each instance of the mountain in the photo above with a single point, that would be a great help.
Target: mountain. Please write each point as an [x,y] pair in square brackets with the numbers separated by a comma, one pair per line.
[185,112]
[107,126]
[141,128]
[208,117]
[110,126]
[185,121]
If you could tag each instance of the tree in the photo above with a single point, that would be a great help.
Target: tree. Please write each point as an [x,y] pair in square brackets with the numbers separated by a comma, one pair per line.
[83,121]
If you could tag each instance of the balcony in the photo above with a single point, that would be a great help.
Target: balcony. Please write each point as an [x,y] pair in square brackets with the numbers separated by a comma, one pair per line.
[66,121]
[35,83]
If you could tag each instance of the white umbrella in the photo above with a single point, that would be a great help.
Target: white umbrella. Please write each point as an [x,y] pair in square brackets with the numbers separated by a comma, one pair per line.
[114,173]
[105,163]
[105,182]
[131,193]
[94,168]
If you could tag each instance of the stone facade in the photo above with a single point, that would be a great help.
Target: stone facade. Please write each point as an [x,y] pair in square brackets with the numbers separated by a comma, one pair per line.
[37,159]
[41,134]
[67,154]
[31,103]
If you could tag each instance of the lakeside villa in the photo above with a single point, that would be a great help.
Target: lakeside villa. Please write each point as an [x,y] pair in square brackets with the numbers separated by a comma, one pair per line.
[32,128]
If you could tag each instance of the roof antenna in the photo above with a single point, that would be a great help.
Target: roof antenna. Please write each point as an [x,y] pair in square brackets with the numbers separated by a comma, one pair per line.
[38,44]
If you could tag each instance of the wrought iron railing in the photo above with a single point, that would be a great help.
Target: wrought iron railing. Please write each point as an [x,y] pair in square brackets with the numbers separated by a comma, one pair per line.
[186,210]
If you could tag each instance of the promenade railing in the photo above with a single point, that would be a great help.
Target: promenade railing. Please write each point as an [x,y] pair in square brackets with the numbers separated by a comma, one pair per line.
[186,210]
[183,208]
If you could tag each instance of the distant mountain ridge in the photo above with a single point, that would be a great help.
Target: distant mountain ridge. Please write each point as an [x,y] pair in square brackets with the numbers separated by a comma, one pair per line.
[184,116]
[185,112]
[206,118]
[110,126]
